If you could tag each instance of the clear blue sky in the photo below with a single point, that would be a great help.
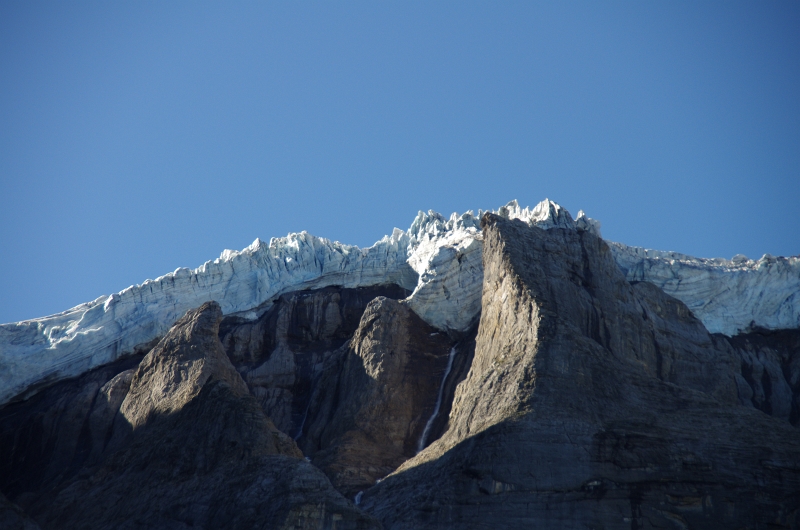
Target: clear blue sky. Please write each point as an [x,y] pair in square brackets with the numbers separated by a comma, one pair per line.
[139,137]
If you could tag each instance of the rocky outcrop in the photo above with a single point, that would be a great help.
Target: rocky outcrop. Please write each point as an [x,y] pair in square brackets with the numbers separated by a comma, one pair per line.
[370,408]
[592,403]
[281,355]
[191,447]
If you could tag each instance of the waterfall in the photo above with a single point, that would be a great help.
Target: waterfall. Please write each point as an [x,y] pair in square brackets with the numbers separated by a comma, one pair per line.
[429,425]
[303,421]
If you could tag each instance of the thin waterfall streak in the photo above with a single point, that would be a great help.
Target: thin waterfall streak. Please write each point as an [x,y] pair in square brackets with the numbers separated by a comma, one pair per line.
[429,425]
[302,422]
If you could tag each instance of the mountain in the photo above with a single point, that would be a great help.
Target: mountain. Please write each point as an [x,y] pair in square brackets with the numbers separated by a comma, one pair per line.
[504,369]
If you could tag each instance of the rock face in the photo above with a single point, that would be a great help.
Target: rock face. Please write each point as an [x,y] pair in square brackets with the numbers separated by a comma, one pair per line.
[191,447]
[770,367]
[583,409]
[51,436]
[370,407]
[281,355]
[13,518]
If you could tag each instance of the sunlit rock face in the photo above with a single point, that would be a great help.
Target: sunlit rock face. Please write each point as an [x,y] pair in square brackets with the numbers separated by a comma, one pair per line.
[437,259]
[592,402]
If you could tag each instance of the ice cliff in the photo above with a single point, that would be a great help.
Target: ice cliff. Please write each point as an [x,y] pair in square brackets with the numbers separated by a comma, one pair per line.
[438,258]
[728,296]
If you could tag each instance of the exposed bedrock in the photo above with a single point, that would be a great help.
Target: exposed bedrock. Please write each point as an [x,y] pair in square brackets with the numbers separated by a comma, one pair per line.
[57,432]
[593,403]
[189,447]
[770,367]
[375,397]
[281,354]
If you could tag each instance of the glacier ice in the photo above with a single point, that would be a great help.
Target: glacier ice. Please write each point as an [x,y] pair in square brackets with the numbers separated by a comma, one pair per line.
[437,258]
[244,283]
[728,296]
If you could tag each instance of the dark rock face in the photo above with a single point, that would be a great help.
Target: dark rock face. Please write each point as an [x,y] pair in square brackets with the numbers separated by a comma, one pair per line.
[55,433]
[13,518]
[592,403]
[770,367]
[191,447]
[372,404]
[765,364]
[351,374]
[282,353]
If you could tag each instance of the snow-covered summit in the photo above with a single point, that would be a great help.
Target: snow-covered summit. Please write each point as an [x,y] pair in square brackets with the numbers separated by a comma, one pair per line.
[437,258]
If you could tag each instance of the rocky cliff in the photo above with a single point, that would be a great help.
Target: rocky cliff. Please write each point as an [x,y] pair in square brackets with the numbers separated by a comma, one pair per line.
[594,403]
[569,392]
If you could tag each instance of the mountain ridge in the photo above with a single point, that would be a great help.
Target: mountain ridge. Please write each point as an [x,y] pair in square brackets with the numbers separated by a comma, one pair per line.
[437,258]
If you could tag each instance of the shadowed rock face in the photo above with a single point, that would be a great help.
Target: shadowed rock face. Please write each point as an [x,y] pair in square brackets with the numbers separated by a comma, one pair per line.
[191,447]
[13,518]
[770,367]
[371,405]
[51,436]
[592,403]
[282,353]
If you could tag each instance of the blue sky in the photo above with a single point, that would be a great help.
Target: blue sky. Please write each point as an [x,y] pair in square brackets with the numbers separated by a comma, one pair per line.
[140,137]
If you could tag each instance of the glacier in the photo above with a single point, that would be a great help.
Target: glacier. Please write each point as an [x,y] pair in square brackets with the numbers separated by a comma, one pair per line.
[439,259]
[729,296]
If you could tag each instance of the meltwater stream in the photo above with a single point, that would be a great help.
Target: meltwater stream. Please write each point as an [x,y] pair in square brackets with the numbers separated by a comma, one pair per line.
[429,425]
